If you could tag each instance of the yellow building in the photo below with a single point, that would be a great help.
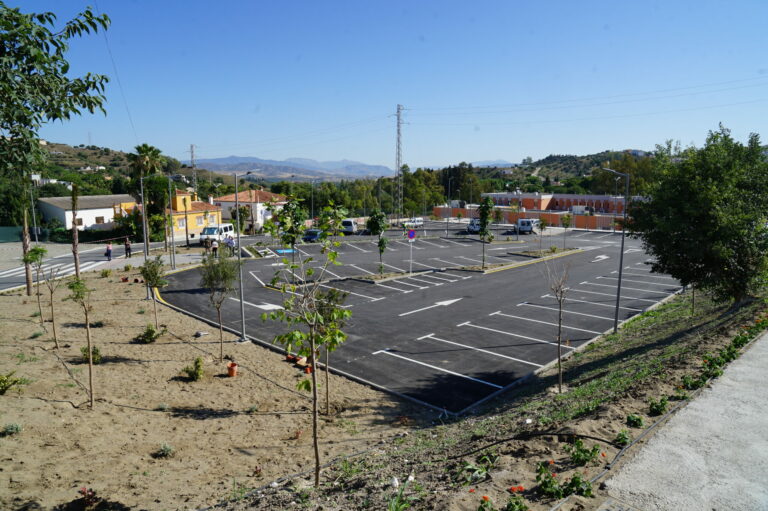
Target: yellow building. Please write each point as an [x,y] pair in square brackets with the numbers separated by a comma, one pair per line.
[191,216]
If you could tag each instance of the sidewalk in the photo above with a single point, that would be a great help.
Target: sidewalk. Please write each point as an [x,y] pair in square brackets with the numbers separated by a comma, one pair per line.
[712,455]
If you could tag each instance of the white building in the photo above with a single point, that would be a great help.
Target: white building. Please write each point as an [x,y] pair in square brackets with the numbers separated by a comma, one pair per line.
[256,200]
[93,211]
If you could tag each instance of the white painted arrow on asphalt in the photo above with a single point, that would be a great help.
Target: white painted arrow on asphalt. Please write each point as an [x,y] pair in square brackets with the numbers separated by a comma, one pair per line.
[263,306]
[437,304]
[600,258]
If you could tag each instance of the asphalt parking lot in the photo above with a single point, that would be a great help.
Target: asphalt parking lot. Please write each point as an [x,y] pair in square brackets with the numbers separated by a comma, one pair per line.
[446,337]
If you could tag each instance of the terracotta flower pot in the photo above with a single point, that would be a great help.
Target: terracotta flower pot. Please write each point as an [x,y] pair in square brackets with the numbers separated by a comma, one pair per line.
[308,370]
[232,369]
[124,279]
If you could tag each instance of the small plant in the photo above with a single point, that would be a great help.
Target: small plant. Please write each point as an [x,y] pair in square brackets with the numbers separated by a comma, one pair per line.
[141,311]
[106,273]
[23,358]
[471,473]
[486,504]
[97,324]
[95,353]
[89,497]
[634,421]
[516,503]
[552,249]
[35,314]
[622,438]
[580,455]
[692,383]
[657,406]
[195,371]
[11,429]
[680,394]
[149,335]
[36,335]
[127,267]
[400,501]
[578,485]
[162,407]
[239,491]
[548,483]
[252,409]
[7,382]
[165,451]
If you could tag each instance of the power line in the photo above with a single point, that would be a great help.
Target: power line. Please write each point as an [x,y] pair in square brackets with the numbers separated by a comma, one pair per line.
[399,163]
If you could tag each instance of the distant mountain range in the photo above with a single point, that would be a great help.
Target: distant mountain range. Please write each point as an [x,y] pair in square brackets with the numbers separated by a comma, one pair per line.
[492,163]
[293,168]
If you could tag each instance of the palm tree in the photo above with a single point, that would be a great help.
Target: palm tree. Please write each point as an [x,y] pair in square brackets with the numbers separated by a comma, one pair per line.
[146,161]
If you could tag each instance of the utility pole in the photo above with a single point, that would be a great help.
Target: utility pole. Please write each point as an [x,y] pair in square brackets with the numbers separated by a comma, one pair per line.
[194,171]
[398,165]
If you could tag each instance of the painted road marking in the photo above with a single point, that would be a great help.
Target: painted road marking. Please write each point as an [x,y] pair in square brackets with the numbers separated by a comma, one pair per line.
[257,278]
[433,244]
[645,275]
[265,306]
[585,283]
[613,295]
[432,336]
[638,281]
[395,288]
[395,267]
[450,263]
[412,285]
[604,236]
[454,242]
[564,311]
[444,303]
[468,323]
[594,303]
[326,271]
[424,265]
[361,269]
[433,276]
[406,244]
[387,352]
[479,261]
[600,258]
[426,281]
[352,245]
[371,298]
[499,313]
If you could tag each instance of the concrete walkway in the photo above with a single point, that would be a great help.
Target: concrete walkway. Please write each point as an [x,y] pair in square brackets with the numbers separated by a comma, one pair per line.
[712,454]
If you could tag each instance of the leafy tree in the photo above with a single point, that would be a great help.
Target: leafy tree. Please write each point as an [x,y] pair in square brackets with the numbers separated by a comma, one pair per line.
[313,324]
[152,272]
[330,307]
[565,220]
[377,225]
[288,223]
[81,295]
[704,219]
[245,212]
[485,208]
[146,161]
[218,276]
[35,258]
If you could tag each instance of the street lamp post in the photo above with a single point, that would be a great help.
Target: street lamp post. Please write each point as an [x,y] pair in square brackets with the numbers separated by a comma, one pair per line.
[144,228]
[170,209]
[448,203]
[34,218]
[621,253]
[243,338]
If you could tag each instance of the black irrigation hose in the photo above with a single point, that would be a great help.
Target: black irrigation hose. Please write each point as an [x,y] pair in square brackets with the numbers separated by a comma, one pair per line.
[531,434]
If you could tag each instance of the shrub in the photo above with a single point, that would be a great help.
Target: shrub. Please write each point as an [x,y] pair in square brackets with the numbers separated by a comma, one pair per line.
[657,406]
[552,249]
[692,383]
[195,371]
[7,382]
[623,438]
[516,503]
[127,267]
[106,273]
[471,473]
[149,335]
[165,451]
[95,354]
[579,486]
[580,455]
[634,421]
[36,335]
[11,429]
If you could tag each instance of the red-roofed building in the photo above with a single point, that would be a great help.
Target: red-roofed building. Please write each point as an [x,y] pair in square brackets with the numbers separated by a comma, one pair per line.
[256,200]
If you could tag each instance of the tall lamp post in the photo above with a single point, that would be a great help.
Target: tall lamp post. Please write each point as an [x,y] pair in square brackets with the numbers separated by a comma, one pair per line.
[621,254]
[144,227]
[170,209]
[243,338]
[448,203]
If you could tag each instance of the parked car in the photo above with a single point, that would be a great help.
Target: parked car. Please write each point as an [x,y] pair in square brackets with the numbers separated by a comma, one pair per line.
[527,225]
[414,223]
[474,226]
[348,226]
[217,232]
[311,235]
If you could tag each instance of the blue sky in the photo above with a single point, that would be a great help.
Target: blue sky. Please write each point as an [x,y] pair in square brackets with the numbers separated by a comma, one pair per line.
[479,80]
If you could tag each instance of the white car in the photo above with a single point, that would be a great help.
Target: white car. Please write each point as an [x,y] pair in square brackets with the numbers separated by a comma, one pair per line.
[414,223]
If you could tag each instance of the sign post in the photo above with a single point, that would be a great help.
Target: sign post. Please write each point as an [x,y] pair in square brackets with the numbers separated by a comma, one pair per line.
[411,239]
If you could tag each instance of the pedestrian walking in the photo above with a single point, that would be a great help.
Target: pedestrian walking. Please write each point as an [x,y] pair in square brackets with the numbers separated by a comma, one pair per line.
[108,253]
[215,248]
[127,245]
[231,245]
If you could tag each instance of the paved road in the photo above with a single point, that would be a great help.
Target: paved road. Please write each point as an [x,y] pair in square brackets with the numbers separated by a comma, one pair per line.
[493,329]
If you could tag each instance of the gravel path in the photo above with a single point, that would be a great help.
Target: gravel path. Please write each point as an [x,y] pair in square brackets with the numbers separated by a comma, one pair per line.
[713,454]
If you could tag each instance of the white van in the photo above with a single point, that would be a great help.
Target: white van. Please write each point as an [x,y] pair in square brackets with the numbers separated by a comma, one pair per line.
[414,223]
[527,225]
[217,232]
[474,226]
[348,226]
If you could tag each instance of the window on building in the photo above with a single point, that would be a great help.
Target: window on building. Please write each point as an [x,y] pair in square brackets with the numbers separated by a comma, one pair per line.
[99,219]
[79,221]
[199,220]
[181,222]
[212,219]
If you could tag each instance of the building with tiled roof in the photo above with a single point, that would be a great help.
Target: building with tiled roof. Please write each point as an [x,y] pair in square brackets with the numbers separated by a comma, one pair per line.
[255,200]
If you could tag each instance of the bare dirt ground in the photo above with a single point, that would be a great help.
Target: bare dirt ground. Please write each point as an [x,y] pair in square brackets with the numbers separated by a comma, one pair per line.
[227,434]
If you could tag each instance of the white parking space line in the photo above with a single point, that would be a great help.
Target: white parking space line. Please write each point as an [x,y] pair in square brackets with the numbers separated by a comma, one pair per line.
[320,273]
[610,306]
[502,332]
[454,242]
[353,245]
[623,297]
[426,281]
[424,265]
[637,281]
[400,281]
[361,269]
[395,288]
[462,277]
[578,235]
[433,244]
[499,313]
[479,261]
[409,243]
[433,276]
[371,298]
[500,248]
[395,268]
[450,263]
[257,278]
[387,352]
[300,251]
[564,311]
[431,336]
[604,236]
[623,288]
[645,275]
